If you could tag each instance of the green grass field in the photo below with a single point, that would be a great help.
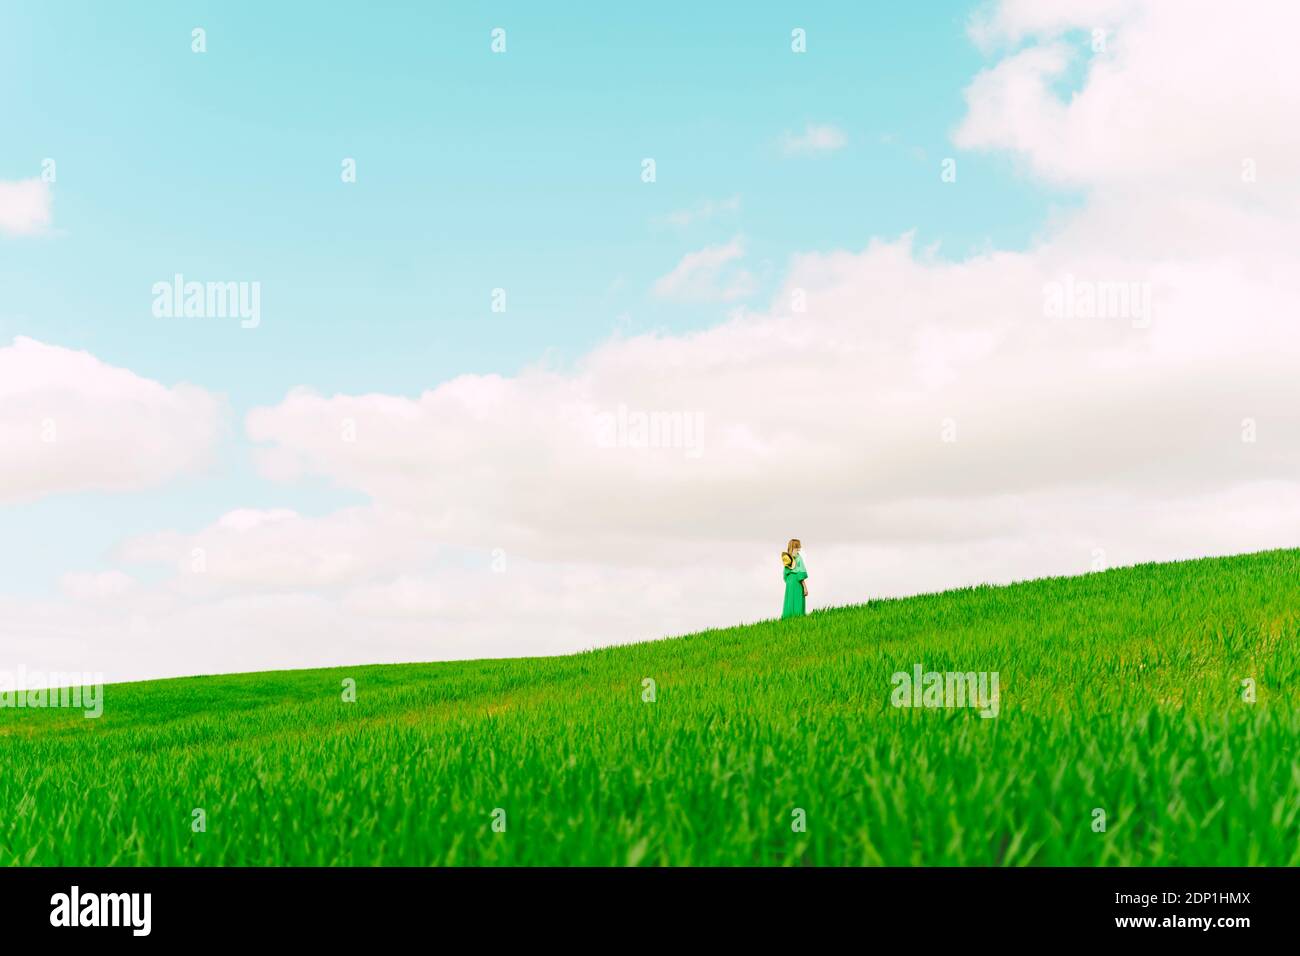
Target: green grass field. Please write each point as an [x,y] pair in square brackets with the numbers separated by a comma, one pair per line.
[1119,690]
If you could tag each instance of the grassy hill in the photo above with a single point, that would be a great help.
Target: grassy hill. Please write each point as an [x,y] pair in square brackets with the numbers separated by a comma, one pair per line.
[1120,691]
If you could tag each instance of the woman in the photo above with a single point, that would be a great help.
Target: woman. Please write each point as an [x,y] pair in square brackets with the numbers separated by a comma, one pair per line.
[796,588]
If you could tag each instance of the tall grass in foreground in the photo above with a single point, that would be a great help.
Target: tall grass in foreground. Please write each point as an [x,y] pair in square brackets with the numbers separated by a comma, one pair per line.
[1120,691]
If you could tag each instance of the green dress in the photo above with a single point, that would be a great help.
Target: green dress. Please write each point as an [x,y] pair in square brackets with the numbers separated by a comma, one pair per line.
[794,577]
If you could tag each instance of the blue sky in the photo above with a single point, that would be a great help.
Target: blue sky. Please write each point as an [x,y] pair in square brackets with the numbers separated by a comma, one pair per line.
[474,171]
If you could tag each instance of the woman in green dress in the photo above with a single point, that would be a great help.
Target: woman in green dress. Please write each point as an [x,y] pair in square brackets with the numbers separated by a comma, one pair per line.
[796,576]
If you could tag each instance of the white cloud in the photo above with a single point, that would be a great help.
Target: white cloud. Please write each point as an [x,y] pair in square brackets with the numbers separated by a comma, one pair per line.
[97,586]
[434,612]
[704,211]
[1178,99]
[708,275]
[279,550]
[815,138]
[849,399]
[25,207]
[70,422]
[1011,21]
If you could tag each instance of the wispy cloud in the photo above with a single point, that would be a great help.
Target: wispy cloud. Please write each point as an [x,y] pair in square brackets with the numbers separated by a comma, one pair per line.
[25,207]
[703,212]
[815,138]
[706,276]
[70,422]
[918,153]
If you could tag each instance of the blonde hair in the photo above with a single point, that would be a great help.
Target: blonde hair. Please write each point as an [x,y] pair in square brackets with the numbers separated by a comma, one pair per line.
[794,543]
